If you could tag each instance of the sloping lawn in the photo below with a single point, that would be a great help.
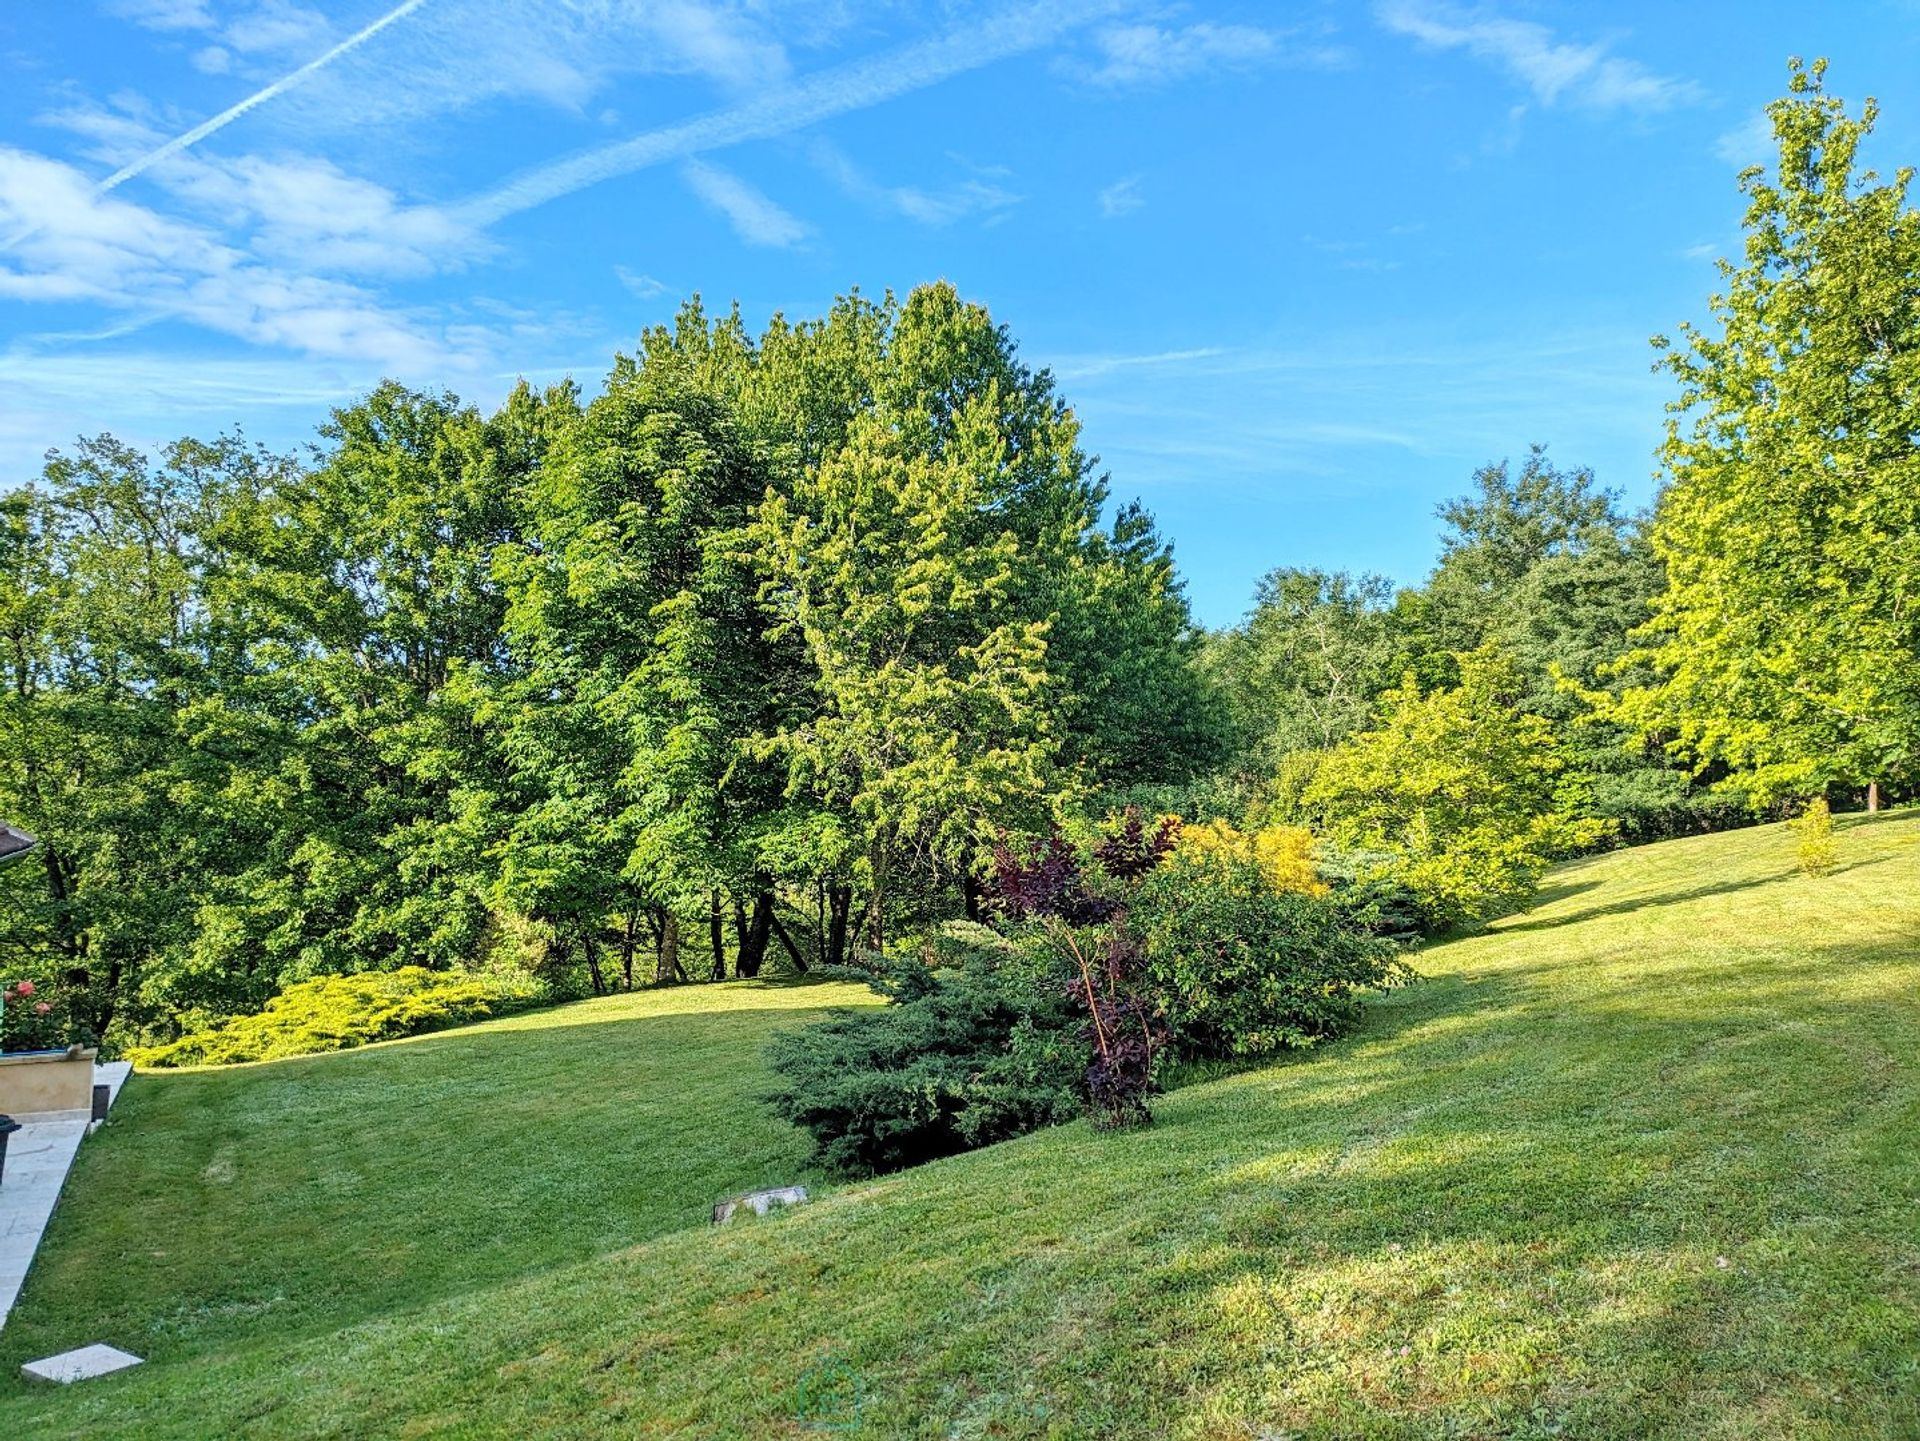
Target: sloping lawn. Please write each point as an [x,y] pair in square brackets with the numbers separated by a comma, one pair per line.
[1639,1163]
[292,1197]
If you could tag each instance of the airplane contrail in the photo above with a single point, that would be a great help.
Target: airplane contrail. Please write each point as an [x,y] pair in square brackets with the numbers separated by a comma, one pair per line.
[853,86]
[259,97]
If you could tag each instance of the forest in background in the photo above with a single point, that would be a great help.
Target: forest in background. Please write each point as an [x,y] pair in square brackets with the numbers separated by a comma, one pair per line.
[752,658]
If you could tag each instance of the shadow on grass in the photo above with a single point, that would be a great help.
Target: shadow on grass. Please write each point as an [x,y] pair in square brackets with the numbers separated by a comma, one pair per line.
[1671,897]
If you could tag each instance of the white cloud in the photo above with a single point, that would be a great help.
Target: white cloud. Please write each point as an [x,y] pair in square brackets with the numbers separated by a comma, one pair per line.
[1750,142]
[277,27]
[1123,197]
[279,250]
[157,396]
[1362,254]
[1151,55]
[1582,75]
[858,85]
[299,209]
[1314,406]
[1089,367]
[259,97]
[165,14]
[462,54]
[719,44]
[311,213]
[458,54]
[276,256]
[641,287]
[78,245]
[755,218]
[980,194]
[957,202]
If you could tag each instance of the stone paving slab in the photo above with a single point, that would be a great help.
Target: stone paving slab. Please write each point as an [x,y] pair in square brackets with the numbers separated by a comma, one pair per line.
[39,1155]
[81,1365]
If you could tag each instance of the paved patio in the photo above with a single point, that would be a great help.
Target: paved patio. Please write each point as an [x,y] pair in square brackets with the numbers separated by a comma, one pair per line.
[38,1157]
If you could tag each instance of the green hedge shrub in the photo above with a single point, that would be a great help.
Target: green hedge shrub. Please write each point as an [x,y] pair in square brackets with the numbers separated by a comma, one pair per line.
[986,1038]
[1246,969]
[333,1013]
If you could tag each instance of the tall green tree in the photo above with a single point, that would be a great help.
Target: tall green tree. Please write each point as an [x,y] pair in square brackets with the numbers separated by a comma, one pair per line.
[363,585]
[644,667]
[1542,562]
[1511,549]
[931,722]
[119,745]
[768,620]
[1462,794]
[1786,644]
[1302,671]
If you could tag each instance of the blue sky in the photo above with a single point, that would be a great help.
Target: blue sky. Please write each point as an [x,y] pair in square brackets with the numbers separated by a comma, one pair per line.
[1300,268]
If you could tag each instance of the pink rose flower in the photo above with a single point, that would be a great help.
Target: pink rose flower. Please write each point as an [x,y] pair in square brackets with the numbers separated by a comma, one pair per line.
[40,1008]
[26,988]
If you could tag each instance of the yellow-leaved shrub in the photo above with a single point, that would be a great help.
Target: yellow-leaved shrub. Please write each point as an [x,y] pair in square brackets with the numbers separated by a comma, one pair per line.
[1285,854]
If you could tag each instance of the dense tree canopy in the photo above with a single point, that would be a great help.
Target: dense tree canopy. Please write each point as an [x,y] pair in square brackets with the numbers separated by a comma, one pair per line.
[768,635]
[1464,792]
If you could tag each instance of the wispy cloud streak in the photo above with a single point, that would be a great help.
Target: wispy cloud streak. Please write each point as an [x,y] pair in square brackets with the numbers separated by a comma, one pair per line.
[259,97]
[855,86]
[755,217]
[1585,75]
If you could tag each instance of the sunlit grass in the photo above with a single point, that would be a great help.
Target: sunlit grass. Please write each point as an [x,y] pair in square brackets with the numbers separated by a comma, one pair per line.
[295,1196]
[1638,1163]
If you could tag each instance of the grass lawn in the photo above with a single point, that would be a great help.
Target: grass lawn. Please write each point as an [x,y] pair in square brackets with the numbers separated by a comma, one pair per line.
[292,1197]
[1641,1162]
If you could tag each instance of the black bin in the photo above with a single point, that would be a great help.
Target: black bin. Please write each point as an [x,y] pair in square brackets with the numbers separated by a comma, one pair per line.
[7,1127]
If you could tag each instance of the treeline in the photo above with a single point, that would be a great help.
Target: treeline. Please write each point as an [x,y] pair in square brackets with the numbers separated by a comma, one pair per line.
[754,657]
[747,652]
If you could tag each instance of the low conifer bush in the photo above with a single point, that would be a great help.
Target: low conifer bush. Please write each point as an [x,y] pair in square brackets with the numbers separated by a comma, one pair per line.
[333,1013]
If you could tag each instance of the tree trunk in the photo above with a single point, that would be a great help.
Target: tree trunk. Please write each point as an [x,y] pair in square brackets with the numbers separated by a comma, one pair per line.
[799,961]
[754,935]
[68,937]
[717,933]
[667,957]
[839,918]
[593,966]
[877,902]
[820,921]
[107,1005]
[626,949]
[1873,797]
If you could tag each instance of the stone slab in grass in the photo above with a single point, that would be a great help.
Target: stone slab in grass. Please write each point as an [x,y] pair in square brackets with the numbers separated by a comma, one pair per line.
[758,1202]
[81,1365]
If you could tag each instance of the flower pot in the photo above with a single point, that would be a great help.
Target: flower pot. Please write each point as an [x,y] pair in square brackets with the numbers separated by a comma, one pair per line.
[35,1083]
